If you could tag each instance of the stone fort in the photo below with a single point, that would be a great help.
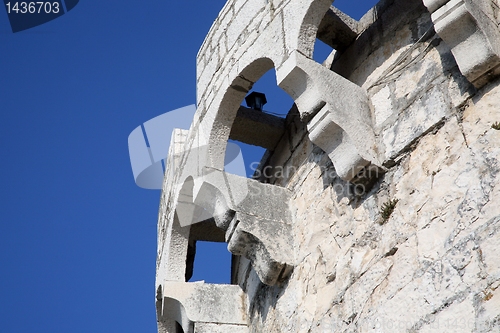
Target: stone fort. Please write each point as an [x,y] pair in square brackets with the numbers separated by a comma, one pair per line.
[380,210]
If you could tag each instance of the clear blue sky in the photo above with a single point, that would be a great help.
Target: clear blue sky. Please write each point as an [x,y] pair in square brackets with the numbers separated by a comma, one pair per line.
[77,236]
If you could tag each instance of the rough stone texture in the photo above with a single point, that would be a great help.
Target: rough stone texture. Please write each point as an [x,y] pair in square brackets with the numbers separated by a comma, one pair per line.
[430,268]
[413,247]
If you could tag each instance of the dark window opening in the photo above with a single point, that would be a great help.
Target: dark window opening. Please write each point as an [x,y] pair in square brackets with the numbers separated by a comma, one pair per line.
[257,131]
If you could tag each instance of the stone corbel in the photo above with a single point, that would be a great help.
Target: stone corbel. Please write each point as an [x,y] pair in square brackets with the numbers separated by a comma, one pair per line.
[337,111]
[471,29]
[255,217]
[201,307]
[266,243]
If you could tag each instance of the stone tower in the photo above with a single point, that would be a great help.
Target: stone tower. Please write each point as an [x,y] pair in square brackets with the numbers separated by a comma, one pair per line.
[376,207]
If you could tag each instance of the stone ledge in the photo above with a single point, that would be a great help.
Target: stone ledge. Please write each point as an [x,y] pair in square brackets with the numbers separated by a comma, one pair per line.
[267,244]
[337,29]
[257,128]
[197,304]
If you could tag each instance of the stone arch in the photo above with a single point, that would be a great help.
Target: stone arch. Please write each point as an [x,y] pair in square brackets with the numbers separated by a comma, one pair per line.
[310,85]
[191,208]
[177,252]
[173,262]
[310,24]
[225,112]
[339,124]
[194,221]
[265,40]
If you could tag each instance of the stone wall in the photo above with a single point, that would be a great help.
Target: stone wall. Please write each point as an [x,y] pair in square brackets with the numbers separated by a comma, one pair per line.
[431,267]
[409,241]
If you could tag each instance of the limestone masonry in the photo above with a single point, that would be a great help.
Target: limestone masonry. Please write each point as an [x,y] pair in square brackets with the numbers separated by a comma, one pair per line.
[380,207]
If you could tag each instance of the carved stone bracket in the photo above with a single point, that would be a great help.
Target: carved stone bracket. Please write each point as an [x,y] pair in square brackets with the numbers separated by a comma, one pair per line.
[266,243]
[254,216]
[256,219]
[471,30]
[200,307]
[338,112]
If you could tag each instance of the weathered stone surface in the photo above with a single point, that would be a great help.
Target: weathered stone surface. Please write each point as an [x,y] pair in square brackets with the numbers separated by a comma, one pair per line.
[218,328]
[397,96]
[340,126]
[337,29]
[440,265]
[199,306]
[471,30]
[266,243]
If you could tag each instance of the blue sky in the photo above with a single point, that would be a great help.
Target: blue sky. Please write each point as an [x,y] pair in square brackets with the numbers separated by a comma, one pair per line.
[77,236]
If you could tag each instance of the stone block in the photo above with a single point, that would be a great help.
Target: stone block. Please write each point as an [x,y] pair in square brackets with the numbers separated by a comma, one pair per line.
[337,29]
[470,28]
[192,304]
[338,110]
[420,118]
[266,243]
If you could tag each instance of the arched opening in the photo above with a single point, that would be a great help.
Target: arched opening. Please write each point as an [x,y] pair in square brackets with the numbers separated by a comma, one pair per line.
[198,226]
[255,131]
[272,124]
